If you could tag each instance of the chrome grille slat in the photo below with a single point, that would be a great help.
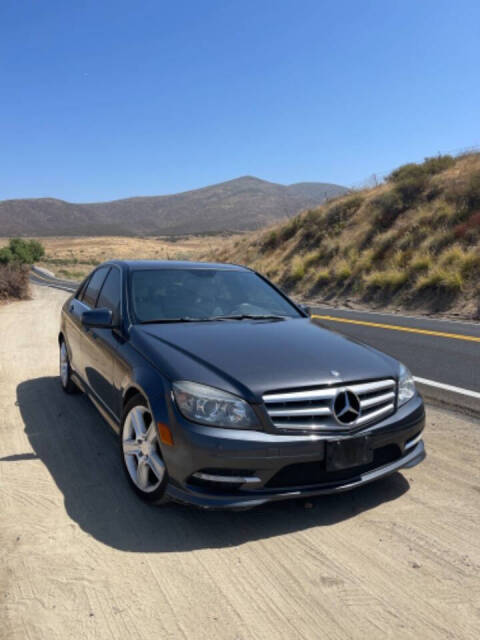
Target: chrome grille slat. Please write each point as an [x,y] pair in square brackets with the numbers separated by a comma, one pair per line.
[297,396]
[308,411]
[371,402]
[312,409]
[373,415]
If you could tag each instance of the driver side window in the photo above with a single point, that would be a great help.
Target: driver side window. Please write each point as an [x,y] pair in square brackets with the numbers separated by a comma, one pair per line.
[90,294]
[109,297]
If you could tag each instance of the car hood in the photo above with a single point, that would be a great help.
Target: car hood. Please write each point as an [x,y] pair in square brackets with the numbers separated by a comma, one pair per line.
[250,357]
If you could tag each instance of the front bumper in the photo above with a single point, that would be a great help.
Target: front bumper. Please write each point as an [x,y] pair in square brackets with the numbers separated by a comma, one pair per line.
[284,465]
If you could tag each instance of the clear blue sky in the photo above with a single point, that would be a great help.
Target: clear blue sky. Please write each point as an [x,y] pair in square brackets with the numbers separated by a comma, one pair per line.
[102,99]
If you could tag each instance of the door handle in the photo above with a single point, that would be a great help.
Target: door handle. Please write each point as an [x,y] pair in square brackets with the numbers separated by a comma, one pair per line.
[71,308]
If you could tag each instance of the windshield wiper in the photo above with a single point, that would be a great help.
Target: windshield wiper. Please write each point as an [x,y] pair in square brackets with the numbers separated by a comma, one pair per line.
[243,316]
[167,320]
[249,316]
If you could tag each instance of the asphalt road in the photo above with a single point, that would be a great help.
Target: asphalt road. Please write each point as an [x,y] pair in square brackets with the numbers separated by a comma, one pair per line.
[439,350]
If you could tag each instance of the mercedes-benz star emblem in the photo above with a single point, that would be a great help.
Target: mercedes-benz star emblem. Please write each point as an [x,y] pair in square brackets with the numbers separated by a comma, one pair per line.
[346,407]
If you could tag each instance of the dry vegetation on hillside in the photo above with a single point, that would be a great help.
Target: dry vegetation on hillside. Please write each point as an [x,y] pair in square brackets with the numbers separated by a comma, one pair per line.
[413,242]
[73,258]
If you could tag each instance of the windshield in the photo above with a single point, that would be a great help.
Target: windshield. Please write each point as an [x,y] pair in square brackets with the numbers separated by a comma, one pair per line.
[203,294]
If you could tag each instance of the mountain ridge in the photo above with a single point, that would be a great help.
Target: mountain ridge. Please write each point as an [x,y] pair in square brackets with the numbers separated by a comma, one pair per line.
[241,204]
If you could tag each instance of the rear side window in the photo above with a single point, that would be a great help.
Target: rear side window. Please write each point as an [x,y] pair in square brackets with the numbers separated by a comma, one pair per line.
[94,285]
[110,294]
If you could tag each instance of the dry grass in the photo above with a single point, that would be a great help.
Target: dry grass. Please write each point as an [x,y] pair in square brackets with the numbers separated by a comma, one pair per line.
[14,282]
[413,241]
[75,257]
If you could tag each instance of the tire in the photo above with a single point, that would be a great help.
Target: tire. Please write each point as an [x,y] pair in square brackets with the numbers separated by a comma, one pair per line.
[65,370]
[140,453]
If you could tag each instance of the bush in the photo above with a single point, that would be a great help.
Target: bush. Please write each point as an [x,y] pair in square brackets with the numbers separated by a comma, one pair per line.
[298,269]
[342,211]
[410,189]
[469,231]
[437,164]
[14,282]
[6,255]
[465,195]
[290,229]
[421,264]
[343,271]
[388,205]
[271,241]
[22,251]
[441,280]
[406,172]
[322,278]
[383,244]
[386,281]
[429,167]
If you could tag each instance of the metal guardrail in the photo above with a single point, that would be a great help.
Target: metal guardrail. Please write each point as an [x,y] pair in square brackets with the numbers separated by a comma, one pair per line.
[45,279]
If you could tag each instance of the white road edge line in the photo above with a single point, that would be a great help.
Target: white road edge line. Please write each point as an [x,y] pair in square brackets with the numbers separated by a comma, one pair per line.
[448,387]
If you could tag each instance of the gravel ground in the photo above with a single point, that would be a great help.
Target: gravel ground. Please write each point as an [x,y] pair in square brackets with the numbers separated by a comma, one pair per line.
[82,557]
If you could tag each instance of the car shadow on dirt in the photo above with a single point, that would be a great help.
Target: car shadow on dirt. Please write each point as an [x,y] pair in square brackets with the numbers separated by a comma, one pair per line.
[82,454]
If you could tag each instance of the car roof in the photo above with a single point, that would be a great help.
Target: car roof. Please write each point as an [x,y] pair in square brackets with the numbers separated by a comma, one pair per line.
[135,265]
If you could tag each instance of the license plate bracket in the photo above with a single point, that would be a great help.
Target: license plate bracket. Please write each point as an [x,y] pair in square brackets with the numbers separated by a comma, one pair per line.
[348,453]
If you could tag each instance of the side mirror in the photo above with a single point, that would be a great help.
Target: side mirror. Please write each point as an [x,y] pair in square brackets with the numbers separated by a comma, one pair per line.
[306,309]
[98,318]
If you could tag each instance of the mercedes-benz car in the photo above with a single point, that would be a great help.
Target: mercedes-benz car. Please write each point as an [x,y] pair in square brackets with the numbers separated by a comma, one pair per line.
[226,393]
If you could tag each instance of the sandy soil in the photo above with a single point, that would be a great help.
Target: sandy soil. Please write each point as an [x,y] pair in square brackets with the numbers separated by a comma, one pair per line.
[81,557]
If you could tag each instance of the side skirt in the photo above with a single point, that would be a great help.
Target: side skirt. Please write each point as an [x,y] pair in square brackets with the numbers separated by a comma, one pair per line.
[101,410]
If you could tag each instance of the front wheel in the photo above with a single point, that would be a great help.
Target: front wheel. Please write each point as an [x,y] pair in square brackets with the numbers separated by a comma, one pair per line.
[141,455]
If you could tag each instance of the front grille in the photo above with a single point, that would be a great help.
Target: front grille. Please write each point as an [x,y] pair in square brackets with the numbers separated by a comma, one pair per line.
[312,409]
[302,474]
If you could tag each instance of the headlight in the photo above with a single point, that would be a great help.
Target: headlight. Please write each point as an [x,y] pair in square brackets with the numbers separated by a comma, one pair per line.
[406,385]
[207,405]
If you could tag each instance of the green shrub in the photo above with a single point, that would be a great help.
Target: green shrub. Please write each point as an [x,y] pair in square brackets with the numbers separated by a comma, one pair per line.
[22,251]
[388,206]
[406,172]
[437,164]
[465,195]
[410,189]
[342,211]
[6,255]
[429,167]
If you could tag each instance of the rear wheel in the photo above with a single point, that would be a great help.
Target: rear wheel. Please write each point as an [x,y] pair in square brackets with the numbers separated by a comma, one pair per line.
[66,371]
[141,455]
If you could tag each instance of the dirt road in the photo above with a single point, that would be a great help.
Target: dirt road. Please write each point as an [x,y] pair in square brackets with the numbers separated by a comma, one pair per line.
[81,557]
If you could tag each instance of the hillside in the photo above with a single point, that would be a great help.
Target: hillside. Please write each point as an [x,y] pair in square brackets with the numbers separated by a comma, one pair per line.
[412,242]
[237,205]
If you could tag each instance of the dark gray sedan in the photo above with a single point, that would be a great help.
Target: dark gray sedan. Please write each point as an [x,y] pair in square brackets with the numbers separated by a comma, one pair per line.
[225,393]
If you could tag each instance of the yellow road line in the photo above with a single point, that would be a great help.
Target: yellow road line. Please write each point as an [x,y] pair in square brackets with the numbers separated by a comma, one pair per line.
[395,327]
